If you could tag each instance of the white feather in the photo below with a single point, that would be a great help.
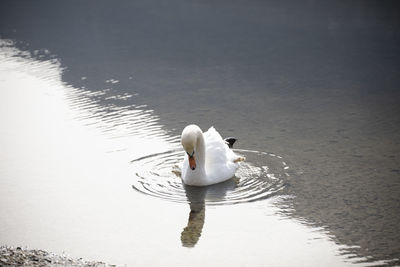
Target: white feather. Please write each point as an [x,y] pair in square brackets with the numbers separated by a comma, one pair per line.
[217,163]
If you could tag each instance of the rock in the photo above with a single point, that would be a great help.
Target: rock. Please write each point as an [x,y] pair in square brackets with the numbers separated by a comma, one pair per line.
[10,256]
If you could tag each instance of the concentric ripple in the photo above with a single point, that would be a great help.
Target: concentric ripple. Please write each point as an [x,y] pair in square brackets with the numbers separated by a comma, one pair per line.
[262,175]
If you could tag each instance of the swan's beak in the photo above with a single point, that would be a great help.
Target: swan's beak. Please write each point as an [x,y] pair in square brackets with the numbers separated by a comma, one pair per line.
[192,162]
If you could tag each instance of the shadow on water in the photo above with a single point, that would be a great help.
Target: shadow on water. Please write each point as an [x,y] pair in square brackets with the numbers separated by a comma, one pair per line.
[192,232]
[261,176]
[196,197]
[315,82]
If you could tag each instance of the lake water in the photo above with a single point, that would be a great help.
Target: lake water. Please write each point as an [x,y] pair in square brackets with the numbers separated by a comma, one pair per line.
[94,96]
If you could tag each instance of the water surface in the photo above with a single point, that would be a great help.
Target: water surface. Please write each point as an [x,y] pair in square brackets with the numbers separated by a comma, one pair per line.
[87,88]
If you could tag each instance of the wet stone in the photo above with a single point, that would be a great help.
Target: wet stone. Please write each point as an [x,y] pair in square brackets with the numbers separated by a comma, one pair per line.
[10,256]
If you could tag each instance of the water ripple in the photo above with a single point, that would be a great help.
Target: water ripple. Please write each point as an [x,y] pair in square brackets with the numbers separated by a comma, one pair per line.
[261,176]
[97,109]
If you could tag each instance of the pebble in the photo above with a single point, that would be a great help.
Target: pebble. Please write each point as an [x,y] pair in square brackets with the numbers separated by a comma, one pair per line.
[18,256]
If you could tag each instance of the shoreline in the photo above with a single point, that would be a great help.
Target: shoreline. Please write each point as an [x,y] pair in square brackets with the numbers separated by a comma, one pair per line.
[17,256]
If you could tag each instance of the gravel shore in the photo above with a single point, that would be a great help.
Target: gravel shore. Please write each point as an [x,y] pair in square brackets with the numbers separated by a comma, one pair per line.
[10,256]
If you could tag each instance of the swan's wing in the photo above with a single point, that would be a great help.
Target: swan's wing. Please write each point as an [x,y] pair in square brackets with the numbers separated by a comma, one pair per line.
[218,151]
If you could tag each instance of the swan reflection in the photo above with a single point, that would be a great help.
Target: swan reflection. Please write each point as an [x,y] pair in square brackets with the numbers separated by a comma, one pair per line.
[197,197]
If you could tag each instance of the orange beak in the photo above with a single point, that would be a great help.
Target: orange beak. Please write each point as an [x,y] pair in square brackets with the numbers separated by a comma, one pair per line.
[192,162]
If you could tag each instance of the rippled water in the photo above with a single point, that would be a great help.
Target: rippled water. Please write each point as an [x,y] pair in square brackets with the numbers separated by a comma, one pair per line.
[93,97]
[262,175]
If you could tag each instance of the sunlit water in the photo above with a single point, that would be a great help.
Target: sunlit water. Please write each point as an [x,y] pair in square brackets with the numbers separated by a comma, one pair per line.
[94,96]
[68,166]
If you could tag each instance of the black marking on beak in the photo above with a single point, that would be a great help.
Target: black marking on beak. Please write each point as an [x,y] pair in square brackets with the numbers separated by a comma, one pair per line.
[192,161]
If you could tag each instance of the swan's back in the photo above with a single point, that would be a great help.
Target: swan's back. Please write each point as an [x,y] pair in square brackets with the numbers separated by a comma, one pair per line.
[220,158]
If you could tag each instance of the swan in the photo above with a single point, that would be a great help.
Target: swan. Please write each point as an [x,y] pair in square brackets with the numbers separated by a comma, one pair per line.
[209,158]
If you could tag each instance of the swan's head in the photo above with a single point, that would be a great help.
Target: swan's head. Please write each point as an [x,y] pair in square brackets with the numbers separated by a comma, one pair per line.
[189,142]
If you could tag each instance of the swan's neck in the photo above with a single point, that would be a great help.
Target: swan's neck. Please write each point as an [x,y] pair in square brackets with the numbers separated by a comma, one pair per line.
[200,152]
[193,141]
[198,176]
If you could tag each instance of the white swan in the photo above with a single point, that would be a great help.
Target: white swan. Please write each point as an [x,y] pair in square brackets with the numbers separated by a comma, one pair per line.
[209,159]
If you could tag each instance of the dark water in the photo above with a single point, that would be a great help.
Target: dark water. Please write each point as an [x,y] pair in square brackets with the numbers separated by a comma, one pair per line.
[315,83]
